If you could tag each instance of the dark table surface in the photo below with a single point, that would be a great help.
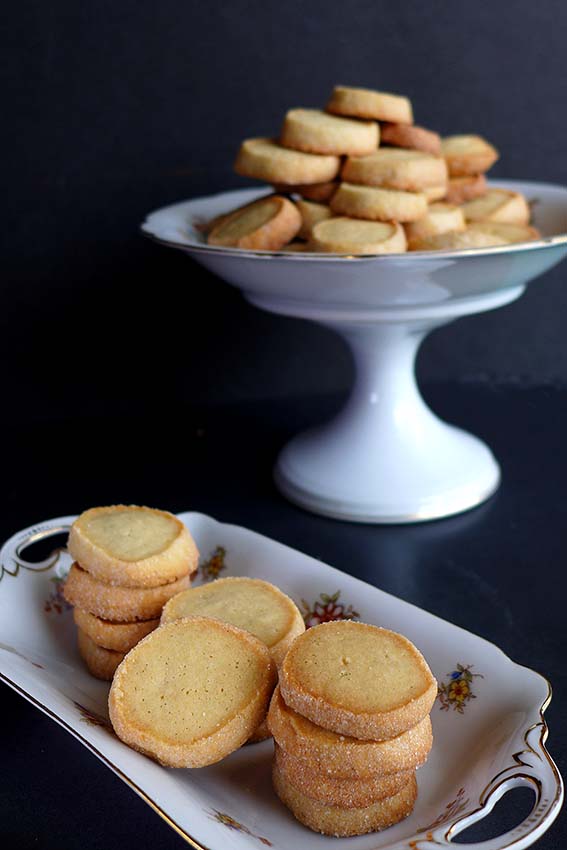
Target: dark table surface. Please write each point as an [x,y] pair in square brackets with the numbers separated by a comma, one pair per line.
[498,571]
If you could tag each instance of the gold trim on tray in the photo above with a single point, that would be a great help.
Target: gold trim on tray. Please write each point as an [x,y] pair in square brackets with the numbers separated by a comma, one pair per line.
[37,533]
[489,791]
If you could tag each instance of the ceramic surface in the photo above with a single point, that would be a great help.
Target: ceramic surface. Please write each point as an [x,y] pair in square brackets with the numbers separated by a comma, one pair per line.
[488,720]
[386,457]
[297,284]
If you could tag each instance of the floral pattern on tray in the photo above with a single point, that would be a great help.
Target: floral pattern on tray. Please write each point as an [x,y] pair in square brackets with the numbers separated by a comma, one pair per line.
[56,603]
[327,608]
[213,566]
[452,809]
[231,823]
[457,691]
[93,718]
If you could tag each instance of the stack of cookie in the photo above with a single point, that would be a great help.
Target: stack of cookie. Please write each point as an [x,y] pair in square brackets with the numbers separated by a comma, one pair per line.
[350,720]
[128,562]
[360,177]
[252,604]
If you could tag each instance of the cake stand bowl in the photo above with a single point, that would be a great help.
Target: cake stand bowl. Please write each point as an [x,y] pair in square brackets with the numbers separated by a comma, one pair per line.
[385,457]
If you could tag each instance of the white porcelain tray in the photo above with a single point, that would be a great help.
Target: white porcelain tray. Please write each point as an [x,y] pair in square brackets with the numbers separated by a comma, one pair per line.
[488,719]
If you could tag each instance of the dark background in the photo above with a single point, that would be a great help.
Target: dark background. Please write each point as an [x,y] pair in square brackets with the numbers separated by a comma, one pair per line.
[129,374]
[114,109]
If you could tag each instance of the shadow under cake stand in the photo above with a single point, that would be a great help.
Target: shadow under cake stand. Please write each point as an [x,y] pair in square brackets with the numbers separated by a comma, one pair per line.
[386,457]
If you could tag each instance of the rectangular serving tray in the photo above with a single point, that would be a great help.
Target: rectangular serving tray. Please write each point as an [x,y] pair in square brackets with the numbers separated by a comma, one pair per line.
[489,730]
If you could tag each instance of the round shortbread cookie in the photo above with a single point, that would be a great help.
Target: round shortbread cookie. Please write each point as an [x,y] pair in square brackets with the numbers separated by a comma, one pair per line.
[468,155]
[346,793]
[249,603]
[344,757]
[315,131]
[396,168]
[265,225]
[120,637]
[262,733]
[461,189]
[507,232]
[132,546]
[265,159]
[311,214]
[457,240]
[120,604]
[359,680]
[435,193]
[377,204]
[318,192]
[353,236]
[191,692]
[101,662]
[411,136]
[208,225]
[366,103]
[498,205]
[339,821]
[440,218]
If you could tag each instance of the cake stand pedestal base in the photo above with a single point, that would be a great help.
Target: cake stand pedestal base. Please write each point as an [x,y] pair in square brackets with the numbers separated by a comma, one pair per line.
[386,457]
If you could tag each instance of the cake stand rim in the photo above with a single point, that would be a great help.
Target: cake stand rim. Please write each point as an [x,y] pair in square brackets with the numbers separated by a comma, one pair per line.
[192,247]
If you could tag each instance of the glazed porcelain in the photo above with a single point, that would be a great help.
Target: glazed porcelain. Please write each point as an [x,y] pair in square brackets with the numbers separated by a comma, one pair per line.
[386,457]
[488,724]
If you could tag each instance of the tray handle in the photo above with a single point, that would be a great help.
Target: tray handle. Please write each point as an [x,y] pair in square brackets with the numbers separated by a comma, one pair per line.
[534,769]
[11,554]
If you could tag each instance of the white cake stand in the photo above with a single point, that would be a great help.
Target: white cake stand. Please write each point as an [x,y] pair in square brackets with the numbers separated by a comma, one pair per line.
[386,457]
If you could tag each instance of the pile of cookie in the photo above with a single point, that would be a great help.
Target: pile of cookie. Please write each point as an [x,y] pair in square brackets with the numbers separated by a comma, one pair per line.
[198,687]
[128,562]
[350,720]
[199,671]
[361,178]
